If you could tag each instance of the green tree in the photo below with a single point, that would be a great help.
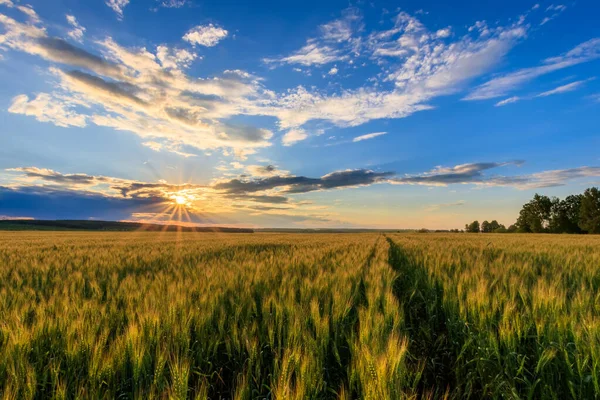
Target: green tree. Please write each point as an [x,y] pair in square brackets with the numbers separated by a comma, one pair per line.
[535,215]
[489,227]
[473,227]
[485,227]
[565,214]
[589,213]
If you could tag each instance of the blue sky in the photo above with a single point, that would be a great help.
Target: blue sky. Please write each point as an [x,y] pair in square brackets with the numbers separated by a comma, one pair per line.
[314,114]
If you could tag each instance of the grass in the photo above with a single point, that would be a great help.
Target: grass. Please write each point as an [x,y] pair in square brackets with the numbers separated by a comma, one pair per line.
[294,316]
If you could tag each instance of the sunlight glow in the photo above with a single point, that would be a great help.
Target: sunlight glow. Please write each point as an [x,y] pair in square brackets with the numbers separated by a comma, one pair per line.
[180,200]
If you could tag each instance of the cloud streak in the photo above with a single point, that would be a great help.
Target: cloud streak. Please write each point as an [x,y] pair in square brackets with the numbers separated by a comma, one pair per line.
[302,184]
[497,87]
[368,136]
[569,87]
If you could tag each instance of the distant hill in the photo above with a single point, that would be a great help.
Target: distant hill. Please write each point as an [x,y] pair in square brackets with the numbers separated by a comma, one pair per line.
[84,225]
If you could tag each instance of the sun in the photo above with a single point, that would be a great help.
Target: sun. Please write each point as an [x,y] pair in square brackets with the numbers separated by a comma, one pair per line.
[180,200]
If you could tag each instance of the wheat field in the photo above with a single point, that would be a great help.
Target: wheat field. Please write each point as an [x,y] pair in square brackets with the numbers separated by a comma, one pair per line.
[146,315]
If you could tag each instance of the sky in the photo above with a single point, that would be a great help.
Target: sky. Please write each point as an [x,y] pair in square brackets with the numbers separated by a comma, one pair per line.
[296,114]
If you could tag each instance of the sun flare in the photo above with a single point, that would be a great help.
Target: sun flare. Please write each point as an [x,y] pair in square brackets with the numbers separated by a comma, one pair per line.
[180,200]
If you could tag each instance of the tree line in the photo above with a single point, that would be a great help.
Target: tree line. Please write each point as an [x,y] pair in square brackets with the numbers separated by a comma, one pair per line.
[578,213]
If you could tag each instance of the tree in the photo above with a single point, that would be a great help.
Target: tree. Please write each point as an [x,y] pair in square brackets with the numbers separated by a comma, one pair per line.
[565,215]
[589,213]
[485,227]
[473,227]
[489,227]
[535,215]
[512,228]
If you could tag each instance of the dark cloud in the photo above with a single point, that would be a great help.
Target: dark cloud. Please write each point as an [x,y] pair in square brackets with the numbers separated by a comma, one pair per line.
[63,52]
[52,203]
[257,185]
[544,179]
[260,199]
[143,189]
[474,174]
[244,132]
[122,90]
[302,184]
[57,177]
[465,173]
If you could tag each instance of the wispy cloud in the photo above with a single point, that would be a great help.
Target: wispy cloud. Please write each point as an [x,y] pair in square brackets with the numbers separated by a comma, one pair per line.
[475,174]
[460,174]
[554,10]
[117,6]
[77,31]
[502,85]
[368,136]
[311,54]
[563,89]
[437,207]
[510,100]
[293,136]
[46,108]
[172,3]
[425,65]
[335,42]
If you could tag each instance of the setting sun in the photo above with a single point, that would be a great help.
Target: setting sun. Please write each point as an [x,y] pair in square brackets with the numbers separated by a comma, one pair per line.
[179,200]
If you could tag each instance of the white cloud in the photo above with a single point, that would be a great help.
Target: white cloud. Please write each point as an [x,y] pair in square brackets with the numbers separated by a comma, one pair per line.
[46,108]
[556,10]
[172,3]
[30,12]
[311,54]
[502,85]
[444,33]
[140,91]
[333,71]
[336,42]
[342,29]
[174,58]
[368,136]
[563,89]
[293,136]
[77,32]
[153,145]
[117,6]
[423,67]
[205,35]
[510,100]
[146,90]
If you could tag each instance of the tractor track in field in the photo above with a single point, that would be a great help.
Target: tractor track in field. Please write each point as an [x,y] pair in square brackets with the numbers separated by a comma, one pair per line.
[426,324]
